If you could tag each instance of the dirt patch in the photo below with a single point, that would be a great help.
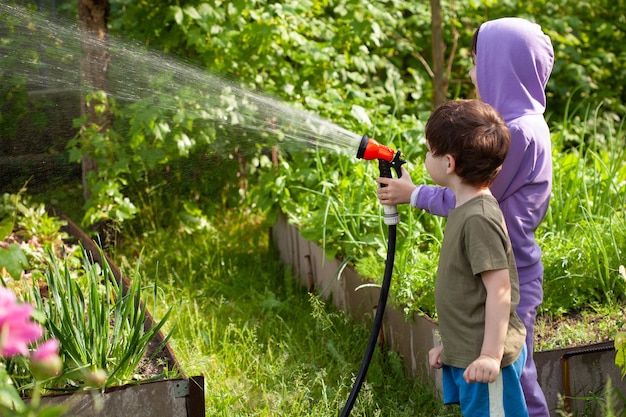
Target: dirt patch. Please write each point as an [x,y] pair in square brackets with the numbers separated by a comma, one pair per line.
[157,362]
[577,329]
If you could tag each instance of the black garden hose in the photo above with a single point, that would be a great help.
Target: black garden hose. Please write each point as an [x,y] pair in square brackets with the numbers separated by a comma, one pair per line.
[378,320]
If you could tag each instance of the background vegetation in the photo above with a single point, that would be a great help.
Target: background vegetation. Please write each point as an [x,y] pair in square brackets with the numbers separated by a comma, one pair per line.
[364,67]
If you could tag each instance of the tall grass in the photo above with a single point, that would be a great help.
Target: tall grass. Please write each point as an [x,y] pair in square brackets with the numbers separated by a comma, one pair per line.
[584,235]
[265,346]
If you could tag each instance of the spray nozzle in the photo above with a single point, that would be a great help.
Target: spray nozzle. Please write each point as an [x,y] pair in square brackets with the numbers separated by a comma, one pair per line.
[369,149]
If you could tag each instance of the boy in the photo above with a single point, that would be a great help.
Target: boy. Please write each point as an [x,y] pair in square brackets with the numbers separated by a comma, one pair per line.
[483,350]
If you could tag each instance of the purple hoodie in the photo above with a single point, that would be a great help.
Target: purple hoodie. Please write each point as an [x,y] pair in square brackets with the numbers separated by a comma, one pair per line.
[514,59]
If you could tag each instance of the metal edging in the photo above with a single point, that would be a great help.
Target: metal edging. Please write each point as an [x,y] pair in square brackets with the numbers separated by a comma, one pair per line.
[195,399]
[565,369]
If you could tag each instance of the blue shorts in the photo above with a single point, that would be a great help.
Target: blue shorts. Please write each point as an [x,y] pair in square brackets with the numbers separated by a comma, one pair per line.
[503,397]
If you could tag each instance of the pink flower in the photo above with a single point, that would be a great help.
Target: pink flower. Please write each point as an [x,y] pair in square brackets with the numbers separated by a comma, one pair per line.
[17,330]
[45,361]
[46,350]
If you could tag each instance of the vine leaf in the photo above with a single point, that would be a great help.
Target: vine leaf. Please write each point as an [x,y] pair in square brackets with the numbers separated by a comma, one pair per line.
[13,260]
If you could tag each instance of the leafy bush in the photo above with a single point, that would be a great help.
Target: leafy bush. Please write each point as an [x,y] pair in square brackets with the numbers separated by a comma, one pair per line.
[171,126]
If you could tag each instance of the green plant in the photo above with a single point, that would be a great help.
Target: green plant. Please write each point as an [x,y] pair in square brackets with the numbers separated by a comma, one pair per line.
[27,230]
[100,327]
[583,235]
[620,352]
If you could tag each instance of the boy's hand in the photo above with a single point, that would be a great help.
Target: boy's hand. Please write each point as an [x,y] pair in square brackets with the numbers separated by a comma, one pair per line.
[397,190]
[434,357]
[483,369]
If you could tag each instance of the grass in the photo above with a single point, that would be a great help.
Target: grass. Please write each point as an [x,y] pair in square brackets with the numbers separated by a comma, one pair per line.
[265,346]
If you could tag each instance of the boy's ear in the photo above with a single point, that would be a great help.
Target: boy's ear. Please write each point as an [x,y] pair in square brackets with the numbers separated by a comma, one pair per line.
[451,164]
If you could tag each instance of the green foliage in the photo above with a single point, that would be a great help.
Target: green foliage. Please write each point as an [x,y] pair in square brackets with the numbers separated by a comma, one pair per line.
[13,260]
[590,55]
[20,221]
[583,237]
[155,156]
[14,104]
[106,185]
[295,49]
[620,352]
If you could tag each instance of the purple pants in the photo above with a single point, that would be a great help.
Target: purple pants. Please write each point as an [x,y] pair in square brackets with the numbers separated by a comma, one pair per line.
[531,296]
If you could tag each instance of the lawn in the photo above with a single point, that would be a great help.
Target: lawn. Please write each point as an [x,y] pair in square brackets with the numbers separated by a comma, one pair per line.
[263,343]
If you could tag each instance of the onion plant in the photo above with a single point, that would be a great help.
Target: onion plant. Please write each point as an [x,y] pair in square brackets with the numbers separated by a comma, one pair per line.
[100,324]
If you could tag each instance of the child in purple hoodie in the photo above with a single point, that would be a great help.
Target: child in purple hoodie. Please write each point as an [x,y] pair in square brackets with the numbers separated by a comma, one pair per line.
[513,60]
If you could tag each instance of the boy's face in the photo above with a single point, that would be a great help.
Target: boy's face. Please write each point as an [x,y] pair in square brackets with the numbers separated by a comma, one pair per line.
[436,166]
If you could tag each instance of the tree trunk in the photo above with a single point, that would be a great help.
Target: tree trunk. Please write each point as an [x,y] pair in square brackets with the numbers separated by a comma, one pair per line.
[440,80]
[93,16]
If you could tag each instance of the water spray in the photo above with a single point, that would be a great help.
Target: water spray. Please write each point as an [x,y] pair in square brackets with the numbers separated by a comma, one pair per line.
[370,149]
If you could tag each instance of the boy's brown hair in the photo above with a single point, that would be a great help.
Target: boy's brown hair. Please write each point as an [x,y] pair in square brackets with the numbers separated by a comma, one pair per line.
[475,134]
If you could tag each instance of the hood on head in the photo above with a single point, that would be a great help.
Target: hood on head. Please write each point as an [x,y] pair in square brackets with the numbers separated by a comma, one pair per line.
[514,59]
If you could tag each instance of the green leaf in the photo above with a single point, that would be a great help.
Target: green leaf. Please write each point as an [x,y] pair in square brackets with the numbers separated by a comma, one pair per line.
[6,227]
[14,260]
[620,352]
[360,114]
[178,15]
[192,12]
[9,397]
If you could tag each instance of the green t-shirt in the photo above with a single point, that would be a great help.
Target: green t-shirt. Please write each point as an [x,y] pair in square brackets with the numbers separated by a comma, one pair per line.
[475,241]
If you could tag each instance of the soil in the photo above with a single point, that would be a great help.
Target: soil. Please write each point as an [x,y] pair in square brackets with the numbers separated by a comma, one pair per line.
[161,364]
[580,328]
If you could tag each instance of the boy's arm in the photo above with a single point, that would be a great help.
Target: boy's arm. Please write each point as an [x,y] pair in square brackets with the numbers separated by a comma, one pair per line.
[497,310]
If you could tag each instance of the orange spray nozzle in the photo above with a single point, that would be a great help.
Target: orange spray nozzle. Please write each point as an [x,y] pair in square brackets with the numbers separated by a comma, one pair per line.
[369,149]
[387,158]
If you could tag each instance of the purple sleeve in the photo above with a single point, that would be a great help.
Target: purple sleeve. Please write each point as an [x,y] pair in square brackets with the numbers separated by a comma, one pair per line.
[435,200]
